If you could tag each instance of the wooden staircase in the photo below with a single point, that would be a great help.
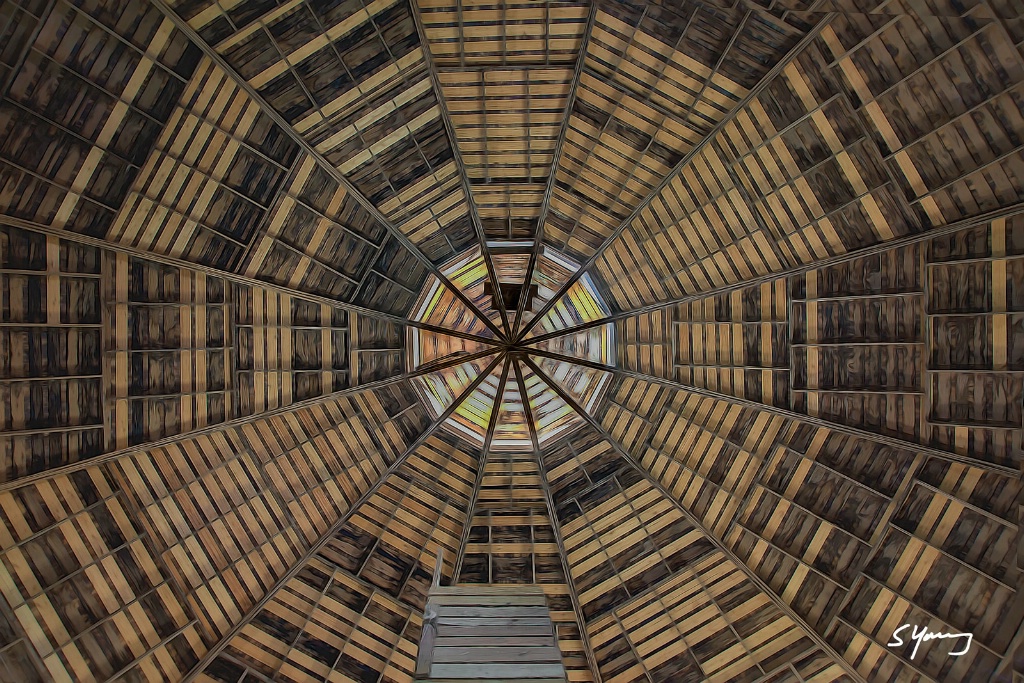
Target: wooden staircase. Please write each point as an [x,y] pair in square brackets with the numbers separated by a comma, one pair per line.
[498,634]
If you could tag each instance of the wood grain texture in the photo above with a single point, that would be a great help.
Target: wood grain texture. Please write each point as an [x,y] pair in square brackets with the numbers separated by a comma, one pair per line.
[89,98]
[915,342]
[654,590]
[834,155]
[518,655]
[106,351]
[137,565]
[844,530]
[355,609]
[353,83]
[701,181]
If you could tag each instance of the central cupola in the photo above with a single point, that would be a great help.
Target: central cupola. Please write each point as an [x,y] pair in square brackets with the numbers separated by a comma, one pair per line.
[526,373]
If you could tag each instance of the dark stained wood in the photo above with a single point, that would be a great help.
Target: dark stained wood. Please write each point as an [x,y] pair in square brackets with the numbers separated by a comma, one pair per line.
[804,235]
[838,526]
[672,143]
[915,343]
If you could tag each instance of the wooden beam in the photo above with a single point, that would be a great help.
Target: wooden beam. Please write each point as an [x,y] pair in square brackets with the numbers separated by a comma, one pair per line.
[787,414]
[556,529]
[481,467]
[761,585]
[230,424]
[232,277]
[765,81]
[948,229]
[453,140]
[306,147]
[549,189]
[212,653]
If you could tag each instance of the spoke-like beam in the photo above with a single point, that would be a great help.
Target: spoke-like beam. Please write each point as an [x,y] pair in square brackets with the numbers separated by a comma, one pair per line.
[948,229]
[309,149]
[237,422]
[556,529]
[449,126]
[212,653]
[692,519]
[233,277]
[890,441]
[549,189]
[758,88]
[474,496]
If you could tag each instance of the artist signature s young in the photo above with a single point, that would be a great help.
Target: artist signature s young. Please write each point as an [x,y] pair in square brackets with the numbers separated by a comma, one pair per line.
[920,636]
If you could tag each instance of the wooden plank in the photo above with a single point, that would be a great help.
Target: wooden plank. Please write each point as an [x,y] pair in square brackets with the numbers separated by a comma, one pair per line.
[488,600]
[469,639]
[511,652]
[526,628]
[500,671]
[509,618]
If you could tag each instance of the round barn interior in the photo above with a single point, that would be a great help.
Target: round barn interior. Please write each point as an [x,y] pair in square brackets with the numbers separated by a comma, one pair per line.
[703,318]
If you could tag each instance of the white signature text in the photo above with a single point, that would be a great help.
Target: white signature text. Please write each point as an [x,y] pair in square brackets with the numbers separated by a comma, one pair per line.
[923,635]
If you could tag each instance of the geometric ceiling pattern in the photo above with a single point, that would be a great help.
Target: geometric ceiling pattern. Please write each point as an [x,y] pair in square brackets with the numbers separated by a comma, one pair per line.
[706,317]
[498,396]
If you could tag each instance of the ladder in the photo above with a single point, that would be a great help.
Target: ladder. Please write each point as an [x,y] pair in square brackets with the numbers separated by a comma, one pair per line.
[492,633]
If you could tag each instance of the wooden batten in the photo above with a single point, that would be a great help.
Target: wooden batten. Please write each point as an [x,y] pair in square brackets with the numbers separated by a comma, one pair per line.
[834,154]
[138,565]
[814,512]
[356,605]
[611,517]
[653,84]
[106,351]
[902,343]
[504,123]
[767,405]
[72,166]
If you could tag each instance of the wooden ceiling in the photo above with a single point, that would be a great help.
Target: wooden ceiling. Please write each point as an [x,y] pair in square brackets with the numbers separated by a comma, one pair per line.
[766,409]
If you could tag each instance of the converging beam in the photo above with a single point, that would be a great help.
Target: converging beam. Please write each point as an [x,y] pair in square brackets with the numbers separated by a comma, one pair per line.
[549,501]
[742,566]
[329,168]
[916,238]
[212,653]
[481,466]
[549,189]
[467,188]
[232,277]
[758,88]
[237,422]
[787,414]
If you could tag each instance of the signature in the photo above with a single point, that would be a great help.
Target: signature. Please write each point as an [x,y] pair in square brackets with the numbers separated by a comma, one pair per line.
[923,635]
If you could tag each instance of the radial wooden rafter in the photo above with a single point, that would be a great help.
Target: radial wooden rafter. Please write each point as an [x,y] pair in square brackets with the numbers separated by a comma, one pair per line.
[969,490]
[474,215]
[765,80]
[397,234]
[474,496]
[538,240]
[241,279]
[549,501]
[948,229]
[870,436]
[780,604]
[418,441]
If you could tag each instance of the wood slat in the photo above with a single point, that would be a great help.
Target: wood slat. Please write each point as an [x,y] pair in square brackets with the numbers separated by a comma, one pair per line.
[70,162]
[145,561]
[823,161]
[843,530]
[652,586]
